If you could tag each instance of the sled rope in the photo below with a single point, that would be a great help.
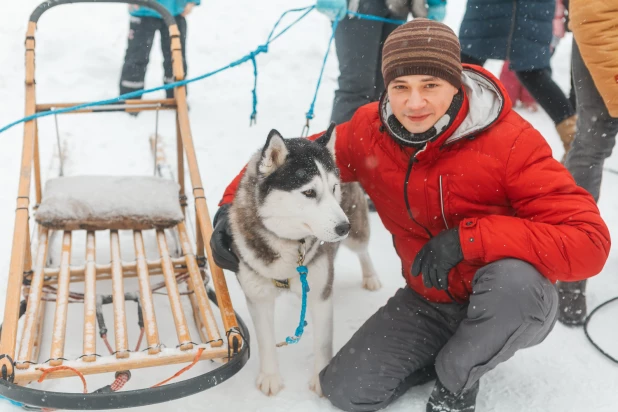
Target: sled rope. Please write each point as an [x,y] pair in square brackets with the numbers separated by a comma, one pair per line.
[302,271]
[375,18]
[63,368]
[249,57]
[310,115]
[183,370]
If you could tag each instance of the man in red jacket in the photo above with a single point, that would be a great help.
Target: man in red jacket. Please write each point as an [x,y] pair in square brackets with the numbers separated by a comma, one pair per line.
[482,216]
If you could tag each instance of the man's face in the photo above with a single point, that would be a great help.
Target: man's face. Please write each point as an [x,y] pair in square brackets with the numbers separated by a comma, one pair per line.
[419,101]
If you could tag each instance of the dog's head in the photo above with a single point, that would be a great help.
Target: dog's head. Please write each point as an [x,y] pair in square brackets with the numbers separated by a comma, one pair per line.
[299,189]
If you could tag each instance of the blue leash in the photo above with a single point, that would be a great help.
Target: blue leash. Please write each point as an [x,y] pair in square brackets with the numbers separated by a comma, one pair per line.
[302,272]
[298,333]
[250,56]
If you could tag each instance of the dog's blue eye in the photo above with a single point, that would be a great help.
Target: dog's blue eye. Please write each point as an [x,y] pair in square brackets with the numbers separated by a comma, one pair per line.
[310,193]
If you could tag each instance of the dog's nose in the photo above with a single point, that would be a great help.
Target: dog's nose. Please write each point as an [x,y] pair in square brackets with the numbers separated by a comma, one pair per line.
[342,229]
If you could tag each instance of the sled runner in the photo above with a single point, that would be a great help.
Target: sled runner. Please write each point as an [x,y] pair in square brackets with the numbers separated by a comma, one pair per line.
[113,216]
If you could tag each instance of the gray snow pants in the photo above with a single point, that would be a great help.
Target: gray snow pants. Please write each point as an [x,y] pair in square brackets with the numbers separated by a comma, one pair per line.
[358,43]
[512,307]
[596,130]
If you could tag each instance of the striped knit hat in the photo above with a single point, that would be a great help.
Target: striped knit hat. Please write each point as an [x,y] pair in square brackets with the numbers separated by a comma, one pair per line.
[422,46]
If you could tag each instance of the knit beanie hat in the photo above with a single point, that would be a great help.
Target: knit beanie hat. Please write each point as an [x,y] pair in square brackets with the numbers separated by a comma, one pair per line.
[422,46]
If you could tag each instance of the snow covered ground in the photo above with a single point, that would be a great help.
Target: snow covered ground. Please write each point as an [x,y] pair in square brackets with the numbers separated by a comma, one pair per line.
[79,56]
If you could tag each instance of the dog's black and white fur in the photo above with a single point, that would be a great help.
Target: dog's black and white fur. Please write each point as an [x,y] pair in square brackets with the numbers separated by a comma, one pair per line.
[290,193]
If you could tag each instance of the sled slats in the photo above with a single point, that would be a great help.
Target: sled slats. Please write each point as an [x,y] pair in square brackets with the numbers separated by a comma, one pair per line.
[90,300]
[196,312]
[205,311]
[127,268]
[39,333]
[150,322]
[184,338]
[62,303]
[146,104]
[120,319]
[32,320]
[136,361]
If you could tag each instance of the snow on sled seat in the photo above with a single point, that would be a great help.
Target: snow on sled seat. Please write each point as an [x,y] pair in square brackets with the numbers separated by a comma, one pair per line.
[109,202]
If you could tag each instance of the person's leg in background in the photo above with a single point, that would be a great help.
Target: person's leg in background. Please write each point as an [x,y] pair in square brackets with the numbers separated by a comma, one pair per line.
[358,43]
[553,100]
[167,53]
[379,79]
[141,35]
[594,141]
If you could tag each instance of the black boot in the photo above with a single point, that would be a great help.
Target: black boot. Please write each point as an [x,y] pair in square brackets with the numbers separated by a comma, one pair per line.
[442,400]
[572,309]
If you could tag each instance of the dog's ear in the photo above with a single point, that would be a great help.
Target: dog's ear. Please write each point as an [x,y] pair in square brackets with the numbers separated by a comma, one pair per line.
[328,138]
[274,153]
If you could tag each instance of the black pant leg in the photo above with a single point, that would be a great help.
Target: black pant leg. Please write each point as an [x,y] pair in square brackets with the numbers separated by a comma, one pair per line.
[547,93]
[141,35]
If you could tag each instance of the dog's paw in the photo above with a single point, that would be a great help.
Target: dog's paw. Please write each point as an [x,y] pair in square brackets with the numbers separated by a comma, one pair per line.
[372,283]
[315,386]
[269,384]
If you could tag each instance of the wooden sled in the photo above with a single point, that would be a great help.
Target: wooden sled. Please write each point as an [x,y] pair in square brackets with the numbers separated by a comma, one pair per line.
[222,336]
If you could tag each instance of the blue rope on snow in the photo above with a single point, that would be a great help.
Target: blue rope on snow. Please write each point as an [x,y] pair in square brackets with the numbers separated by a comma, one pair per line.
[298,333]
[310,115]
[250,56]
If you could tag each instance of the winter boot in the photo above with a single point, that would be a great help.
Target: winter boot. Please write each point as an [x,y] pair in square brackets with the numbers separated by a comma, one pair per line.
[566,129]
[442,400]
[572,303]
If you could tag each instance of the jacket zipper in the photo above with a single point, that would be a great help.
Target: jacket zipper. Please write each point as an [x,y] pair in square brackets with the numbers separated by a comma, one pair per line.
[405,191]
[512,31]
[442,204]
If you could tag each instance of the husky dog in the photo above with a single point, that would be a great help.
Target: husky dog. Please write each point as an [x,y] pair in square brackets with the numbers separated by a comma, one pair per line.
[290,202]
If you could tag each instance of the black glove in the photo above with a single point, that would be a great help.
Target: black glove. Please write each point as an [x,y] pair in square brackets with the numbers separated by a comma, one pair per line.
[436,259]
[221,241]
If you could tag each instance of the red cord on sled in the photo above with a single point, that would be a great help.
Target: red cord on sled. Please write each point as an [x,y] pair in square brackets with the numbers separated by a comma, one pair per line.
[62,368]
[183,370]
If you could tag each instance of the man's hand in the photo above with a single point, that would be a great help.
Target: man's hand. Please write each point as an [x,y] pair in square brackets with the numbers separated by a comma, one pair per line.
[334,9]
[188,9]
[221,241]
[436,259]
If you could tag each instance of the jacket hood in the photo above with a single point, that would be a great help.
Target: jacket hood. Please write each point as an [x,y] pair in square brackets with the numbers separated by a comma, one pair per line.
[487,102]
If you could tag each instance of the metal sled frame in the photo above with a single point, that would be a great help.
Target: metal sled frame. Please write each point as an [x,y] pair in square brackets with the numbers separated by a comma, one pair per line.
[28,271]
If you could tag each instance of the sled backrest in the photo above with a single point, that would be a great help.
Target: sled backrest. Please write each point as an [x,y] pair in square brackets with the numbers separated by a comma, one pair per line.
[21,259]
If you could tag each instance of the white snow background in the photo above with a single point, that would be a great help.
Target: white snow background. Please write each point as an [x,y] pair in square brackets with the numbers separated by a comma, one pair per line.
[79,56]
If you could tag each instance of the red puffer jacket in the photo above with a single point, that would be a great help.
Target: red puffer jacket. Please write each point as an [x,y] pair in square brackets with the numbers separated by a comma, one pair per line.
[491,174]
